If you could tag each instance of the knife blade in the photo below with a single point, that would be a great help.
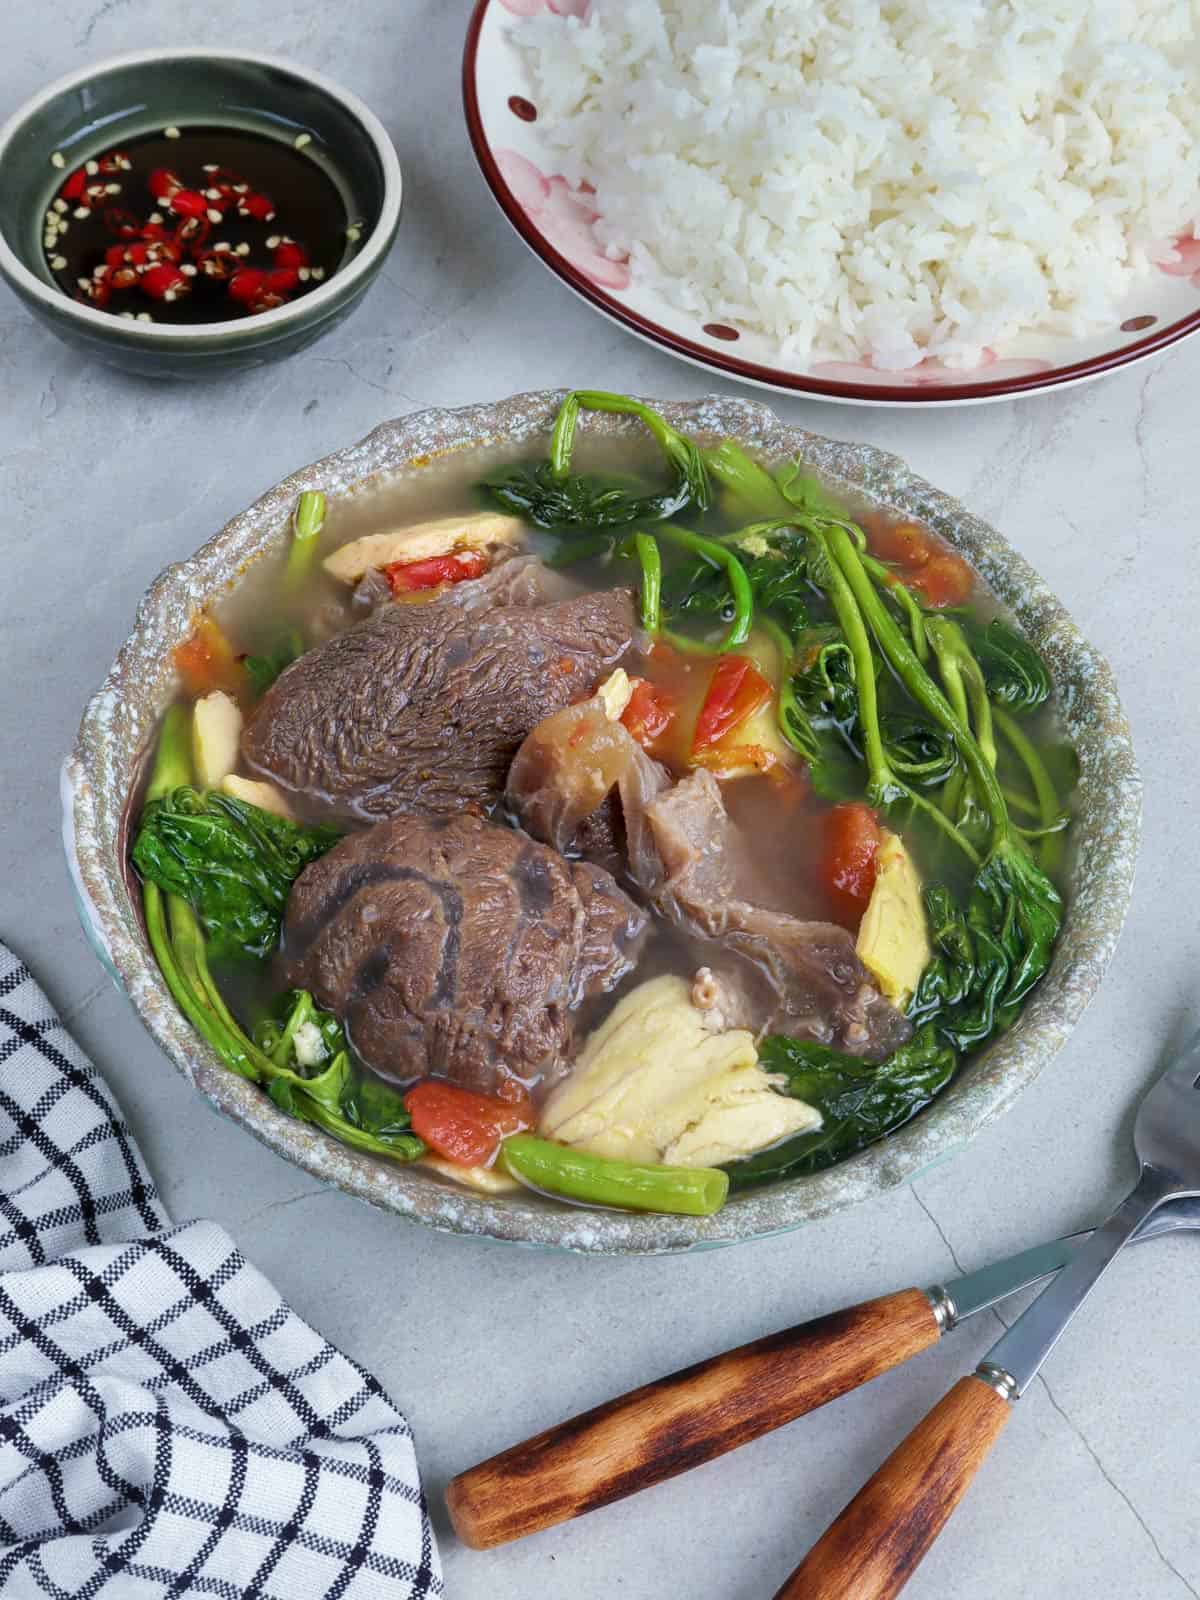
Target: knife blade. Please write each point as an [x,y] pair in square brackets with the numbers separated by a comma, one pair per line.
[959,1298]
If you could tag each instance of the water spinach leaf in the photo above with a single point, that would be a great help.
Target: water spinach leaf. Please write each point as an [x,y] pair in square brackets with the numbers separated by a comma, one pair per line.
[233,863]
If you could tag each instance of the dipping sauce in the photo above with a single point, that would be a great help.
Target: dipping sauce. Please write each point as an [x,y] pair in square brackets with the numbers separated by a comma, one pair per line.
[197,225]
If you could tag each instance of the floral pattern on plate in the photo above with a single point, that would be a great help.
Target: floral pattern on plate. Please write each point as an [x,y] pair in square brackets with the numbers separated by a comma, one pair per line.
[559,8]
[564,215]
[930,373]
[1187,250]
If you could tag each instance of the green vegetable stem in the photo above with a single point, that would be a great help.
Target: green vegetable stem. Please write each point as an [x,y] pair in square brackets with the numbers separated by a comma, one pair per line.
[576,1175]
[368,1116]
[651,563]
[307,521]
[551,496]
[741,595]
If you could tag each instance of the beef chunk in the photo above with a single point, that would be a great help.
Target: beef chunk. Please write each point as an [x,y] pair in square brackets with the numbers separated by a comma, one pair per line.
[819,989]
[457,947]
[694,867]
[422,706]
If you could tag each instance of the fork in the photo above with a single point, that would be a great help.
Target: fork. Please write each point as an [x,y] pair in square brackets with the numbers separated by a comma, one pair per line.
[872,1549]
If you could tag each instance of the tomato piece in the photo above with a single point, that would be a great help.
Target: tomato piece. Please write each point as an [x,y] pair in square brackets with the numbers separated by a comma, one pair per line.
[907,544]
[737,690]
[650,711]
[848,860]
[206,661]
[946,580]
[406,576]
[462,1125]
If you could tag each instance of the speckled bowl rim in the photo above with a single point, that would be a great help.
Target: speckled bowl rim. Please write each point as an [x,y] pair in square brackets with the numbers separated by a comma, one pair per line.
[178,336]
[120,719]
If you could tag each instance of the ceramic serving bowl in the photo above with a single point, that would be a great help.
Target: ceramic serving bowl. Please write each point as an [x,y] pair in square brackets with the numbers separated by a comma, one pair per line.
[131,95]
[556,221]
[121,720]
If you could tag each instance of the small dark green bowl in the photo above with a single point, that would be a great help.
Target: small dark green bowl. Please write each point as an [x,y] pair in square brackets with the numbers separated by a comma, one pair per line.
[131,95]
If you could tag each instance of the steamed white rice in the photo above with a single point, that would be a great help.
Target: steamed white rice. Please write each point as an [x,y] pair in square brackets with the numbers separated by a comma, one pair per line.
[891,180]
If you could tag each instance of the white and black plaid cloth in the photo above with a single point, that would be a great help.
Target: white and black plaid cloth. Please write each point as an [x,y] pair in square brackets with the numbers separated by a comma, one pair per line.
[168,1426]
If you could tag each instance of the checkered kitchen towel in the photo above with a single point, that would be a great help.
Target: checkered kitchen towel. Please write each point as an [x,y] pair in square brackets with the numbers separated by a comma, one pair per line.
[167,1425]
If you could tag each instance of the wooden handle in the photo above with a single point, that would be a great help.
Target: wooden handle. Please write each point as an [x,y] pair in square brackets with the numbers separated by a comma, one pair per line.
[881,1537]
[679,1422]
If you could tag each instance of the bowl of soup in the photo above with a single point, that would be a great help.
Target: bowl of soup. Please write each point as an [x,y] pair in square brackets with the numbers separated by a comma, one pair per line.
[609,824]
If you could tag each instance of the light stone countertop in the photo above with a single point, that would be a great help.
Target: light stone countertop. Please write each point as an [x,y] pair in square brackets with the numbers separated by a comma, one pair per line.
[1095,1488]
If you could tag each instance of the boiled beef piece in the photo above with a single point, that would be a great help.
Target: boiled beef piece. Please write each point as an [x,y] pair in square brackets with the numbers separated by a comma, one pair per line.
[424,705]
[457,947]
[791,975]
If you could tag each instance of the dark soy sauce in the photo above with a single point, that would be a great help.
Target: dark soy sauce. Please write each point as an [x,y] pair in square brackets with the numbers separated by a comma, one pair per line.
[196,225]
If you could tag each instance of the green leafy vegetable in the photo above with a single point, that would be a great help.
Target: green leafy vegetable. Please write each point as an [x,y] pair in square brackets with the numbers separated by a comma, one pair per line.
[364,1114]
[859,1103]
[748,489]
[1015,673]
[724,561]
[751,491]
[360,1111]
[914,733]
[263,670]
[231,862]
[550,496]
[807,494]
[920,752]
[776,570]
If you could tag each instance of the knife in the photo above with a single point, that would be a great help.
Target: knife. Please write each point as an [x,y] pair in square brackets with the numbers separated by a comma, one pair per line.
[694,1415]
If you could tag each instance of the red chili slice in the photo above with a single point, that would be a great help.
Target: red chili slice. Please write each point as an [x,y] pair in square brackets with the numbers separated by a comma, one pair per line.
[283,280]
[188,203]
[258,206]
[247,284]
[73,188]
[163,183]
[122,223]
[290,254]
[97,291]
[192,232]
[219,265]
[164,282]
[407,576]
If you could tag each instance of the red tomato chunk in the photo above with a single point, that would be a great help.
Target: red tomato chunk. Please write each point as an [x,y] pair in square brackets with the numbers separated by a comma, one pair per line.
[649,713]
[848,860]
[737,690]
[462,1125]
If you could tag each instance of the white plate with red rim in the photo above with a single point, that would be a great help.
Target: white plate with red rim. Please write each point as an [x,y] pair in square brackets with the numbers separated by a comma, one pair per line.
[555,221]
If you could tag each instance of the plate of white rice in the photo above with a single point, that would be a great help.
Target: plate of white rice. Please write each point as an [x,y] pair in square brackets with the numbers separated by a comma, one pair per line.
[918,202]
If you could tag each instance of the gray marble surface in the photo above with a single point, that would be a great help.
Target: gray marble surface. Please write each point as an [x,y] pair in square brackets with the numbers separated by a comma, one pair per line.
[1096,1486]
